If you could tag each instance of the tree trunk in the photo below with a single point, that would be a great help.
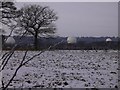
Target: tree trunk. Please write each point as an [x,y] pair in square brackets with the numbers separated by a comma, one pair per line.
[36,41]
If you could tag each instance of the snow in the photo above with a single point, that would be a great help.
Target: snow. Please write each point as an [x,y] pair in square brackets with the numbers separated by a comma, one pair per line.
[65,69]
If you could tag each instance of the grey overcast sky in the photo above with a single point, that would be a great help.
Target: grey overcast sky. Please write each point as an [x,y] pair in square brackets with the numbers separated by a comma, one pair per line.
[84,18]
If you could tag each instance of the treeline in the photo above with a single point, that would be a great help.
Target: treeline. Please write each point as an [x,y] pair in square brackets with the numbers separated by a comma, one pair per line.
[83,43]
[90,46]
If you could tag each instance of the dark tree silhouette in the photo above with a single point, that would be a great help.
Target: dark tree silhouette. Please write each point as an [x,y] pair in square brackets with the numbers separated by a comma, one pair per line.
[8,9]
[37,20]
[8,15]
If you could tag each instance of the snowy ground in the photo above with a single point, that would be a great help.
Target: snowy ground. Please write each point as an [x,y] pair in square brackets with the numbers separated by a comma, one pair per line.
[65,69]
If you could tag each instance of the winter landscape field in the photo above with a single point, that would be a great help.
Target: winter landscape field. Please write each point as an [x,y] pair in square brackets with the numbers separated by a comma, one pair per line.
[64,69]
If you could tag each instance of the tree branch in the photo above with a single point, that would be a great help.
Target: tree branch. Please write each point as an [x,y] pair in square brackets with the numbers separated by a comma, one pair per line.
[4,61]
[16,71]
[42,52]
[23,63]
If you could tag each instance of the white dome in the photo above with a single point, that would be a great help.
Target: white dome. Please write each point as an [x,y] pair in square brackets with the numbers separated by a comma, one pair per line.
[108,40]
[71,40]
[10,41]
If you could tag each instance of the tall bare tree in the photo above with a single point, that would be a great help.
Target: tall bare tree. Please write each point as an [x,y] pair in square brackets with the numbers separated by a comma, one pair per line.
[37,20]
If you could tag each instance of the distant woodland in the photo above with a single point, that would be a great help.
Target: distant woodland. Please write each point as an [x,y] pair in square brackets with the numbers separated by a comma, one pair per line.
[83,43]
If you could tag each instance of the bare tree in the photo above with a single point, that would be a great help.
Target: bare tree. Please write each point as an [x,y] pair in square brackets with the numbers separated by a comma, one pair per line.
[8,9]
[34,20]
[37,20]
[8,15]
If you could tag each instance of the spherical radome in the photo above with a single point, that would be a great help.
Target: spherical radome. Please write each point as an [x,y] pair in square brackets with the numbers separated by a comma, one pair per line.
[108,40]
[10,41]
[71,40]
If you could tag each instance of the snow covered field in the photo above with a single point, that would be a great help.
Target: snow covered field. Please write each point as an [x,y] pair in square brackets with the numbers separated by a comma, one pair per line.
[65,69]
